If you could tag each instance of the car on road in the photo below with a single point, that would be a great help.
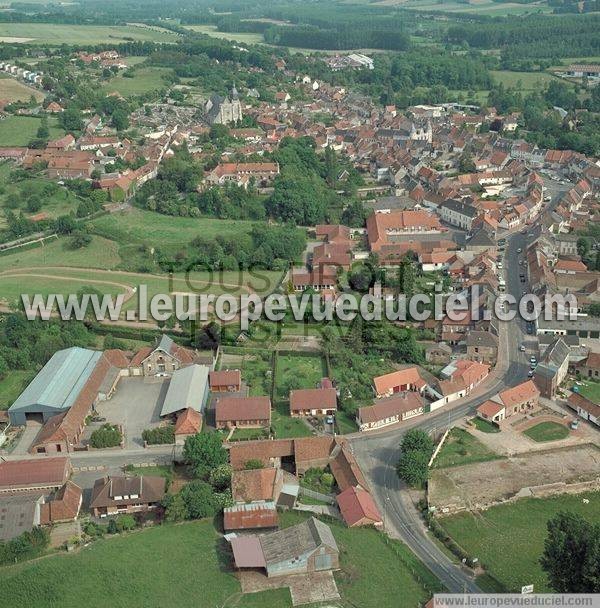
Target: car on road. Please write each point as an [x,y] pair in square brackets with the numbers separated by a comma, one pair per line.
[499,264]
[530,329]
[522,348]
[533,359]
[530,374]
[519,250]
[522,277]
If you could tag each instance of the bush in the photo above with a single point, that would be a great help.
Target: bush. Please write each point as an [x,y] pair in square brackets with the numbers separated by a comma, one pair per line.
[25,546]
[159,435]
[253,463]
[108,436]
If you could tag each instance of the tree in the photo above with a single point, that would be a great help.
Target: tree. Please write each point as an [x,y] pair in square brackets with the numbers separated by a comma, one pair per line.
[34,203]
[571,557]
[43,132]
[220,477]
[360,278]
[583,247]
[204,452]
[199,499]
[64,224]
[175,508]
[71,119]
[465,163]
[413,468]
[120,119]
[418,440]
[107,436]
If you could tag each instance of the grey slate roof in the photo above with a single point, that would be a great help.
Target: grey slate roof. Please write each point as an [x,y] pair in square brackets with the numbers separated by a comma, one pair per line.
[19,513]
[59,382]
[187,389]
[294,541]
[460,207]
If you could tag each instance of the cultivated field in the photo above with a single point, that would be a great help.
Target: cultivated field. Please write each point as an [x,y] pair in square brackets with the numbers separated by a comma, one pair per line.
[477,485]
[50,33]
[509,539]
[373,569]
[480,7]
[12,89]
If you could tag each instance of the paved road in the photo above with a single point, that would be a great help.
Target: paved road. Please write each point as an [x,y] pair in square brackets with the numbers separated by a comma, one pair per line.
[378,453]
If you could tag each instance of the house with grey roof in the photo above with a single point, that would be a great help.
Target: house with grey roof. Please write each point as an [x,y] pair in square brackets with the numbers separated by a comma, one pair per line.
[305,547]
[553,368]
[458,213]
[56,387]
[188,388]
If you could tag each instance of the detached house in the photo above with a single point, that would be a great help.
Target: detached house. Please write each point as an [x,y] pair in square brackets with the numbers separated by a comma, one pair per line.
[225,381]
[313,402]
[116,495]
[245,412]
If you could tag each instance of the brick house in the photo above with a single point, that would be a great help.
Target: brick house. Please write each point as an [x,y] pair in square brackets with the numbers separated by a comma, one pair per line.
[491,411]
[482,346]
[553,368]
[116,495]
[407,379]
[358,508]
[245,412]
[590,368]
[225,381]
[165,357]
[313,402]
[189,422]
[520,398]
[390,410]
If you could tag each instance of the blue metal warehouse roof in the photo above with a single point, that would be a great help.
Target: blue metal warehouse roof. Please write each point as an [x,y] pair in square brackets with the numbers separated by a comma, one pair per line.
[60,381]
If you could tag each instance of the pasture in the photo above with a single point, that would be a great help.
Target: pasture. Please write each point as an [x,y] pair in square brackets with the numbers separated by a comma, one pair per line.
[20,130]
[373,568]
[143,81]
[526,82]
[56,34]
[509,539]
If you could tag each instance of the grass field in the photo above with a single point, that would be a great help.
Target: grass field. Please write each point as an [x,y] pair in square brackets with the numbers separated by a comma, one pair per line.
[51,33]
[547,431]
[56,268]
[12,386]
[373,569]
[461,448]
[509,539]
[255,373]
[15,90]
[211,30]
[524,81]
[59,201]
[144,80]
[591,390]
[20,130]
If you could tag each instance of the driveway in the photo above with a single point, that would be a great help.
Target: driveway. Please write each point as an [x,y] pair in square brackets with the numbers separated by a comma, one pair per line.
[29,434]
[136,406]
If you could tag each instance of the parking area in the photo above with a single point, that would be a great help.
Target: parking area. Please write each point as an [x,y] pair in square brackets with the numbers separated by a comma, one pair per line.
[136,406]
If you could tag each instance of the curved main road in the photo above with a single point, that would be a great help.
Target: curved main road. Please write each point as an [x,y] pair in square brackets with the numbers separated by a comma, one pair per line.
[378,453]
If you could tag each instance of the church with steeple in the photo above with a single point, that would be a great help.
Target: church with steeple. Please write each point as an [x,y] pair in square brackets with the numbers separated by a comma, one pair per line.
[223,110]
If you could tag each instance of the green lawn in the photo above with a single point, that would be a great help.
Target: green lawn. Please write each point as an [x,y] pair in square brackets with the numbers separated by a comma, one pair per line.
[461,448]
[590,390]
[484,426]
[12,386]
[150,565]
[51,33]
[144,80]
[547,431]
[529,81]
[56,200]
[509,539]
[293,372]
[247,434]
[20,130]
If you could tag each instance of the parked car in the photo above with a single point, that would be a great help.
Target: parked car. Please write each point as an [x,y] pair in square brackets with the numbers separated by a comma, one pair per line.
[329,420]
[519,250]
[530,374]
[574,424]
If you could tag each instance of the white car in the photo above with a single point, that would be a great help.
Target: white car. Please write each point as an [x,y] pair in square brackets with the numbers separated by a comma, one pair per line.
[519,250]
[522,348]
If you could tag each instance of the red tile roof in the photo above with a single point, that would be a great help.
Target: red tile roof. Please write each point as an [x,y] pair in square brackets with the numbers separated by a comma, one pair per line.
[402,377]
[313,398]
[490,408]
[189,422]
[226,377]
[242,408]
[38,472]
[64,506]
[356,506]
[520,393]
[254,484]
